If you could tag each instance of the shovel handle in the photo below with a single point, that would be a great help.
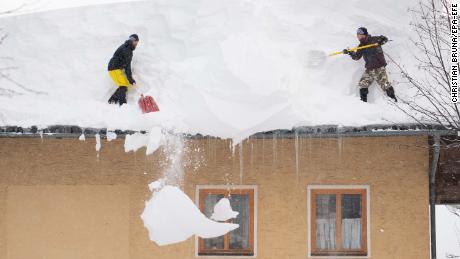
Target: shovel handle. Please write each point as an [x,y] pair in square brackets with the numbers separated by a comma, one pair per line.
[355,49]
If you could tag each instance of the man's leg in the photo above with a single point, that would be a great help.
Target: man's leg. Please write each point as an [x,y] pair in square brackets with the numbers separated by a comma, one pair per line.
[119,96]
[364,83]
[382,80]
[122,94]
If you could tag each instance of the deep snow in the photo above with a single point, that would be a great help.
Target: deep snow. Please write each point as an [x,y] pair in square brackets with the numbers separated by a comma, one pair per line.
[226,68]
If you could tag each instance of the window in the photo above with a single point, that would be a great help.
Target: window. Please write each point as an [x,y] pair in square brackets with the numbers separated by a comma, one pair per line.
[239,242]
[338,222]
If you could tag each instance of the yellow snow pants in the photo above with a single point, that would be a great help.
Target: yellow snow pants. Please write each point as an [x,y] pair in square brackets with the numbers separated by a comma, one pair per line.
[119,77]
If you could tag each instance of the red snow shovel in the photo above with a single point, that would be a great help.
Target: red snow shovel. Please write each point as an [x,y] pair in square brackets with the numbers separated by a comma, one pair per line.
[148,104]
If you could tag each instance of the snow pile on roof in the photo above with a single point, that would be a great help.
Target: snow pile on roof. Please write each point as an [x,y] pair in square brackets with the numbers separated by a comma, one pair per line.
[171,217]
[226,68]
[223,211]
[447,233]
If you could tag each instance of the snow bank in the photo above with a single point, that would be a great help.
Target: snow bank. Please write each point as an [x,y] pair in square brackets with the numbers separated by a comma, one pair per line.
[171,217]
[226,68]
[223,211]
[447,233]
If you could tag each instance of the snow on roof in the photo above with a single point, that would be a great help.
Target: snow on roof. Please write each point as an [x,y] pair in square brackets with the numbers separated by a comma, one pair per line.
[223,68]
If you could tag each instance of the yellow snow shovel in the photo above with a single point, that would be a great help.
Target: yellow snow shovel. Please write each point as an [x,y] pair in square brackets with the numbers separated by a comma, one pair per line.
[355,49]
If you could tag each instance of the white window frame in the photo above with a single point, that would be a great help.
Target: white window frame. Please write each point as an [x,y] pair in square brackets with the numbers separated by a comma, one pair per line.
[351,187]
[231,187]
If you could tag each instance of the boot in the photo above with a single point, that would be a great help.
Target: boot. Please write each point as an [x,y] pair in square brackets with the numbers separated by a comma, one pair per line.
[122,95]
[114,97]
[119,96]
[363,94]
[391,93]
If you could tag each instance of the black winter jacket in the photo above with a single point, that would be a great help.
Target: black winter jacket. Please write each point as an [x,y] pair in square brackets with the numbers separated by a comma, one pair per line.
[373,56]
[122,59]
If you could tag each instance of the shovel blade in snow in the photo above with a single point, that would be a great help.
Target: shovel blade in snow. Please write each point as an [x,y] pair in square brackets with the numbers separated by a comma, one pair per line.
[147,104]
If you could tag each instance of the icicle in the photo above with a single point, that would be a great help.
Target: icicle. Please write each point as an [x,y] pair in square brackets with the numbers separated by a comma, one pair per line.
[252,155]
[41,135]
[296,145]
[274,149]
[98,142]
[232,147]
[339,146]
[263,150]
[241,162]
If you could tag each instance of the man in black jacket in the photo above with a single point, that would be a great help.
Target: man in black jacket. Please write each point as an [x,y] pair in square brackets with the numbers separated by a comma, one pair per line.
[120,61]
[375,64]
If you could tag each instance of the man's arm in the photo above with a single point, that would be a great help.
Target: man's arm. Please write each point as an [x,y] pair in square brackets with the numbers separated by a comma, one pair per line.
[129,74]
[127,60]
[356,55]
[381,39]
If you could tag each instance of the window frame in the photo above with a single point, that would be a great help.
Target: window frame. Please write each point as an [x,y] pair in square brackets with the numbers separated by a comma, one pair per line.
[364,190]
[226,190]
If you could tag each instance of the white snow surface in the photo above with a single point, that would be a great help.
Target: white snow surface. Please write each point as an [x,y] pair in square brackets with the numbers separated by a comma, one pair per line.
[82,137]
[223,211]
[111,136]
[172,217]
[17,7]
[135,141]
[227,68]
[152,141]
[447,233]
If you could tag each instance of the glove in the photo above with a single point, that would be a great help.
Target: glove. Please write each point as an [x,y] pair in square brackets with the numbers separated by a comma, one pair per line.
[345,51]
[382,40]
[132,81]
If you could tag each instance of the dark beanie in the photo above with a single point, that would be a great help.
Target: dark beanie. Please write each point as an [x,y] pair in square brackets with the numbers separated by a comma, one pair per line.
[362,31]
[134,37]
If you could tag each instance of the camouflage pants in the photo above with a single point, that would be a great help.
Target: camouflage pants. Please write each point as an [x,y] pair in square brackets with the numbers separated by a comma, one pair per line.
[378,74]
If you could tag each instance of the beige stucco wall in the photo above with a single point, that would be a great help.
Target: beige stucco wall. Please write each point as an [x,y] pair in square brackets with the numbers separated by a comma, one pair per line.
[101,197]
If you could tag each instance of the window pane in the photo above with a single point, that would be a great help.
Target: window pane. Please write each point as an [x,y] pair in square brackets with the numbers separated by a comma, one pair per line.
[351,221]
[239,238]
[209,203]
[325,221]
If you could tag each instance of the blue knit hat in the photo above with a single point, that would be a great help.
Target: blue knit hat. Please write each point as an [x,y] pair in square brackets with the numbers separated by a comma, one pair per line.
[362,31]
[134,37]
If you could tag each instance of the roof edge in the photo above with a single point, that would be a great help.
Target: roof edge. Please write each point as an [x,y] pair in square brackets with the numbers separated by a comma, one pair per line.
[376,130]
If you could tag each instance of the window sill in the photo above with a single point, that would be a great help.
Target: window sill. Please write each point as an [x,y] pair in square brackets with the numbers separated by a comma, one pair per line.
[331,255]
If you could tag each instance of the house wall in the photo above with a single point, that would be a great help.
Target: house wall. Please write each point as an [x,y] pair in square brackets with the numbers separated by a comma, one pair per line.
[60,199]
[448,172]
